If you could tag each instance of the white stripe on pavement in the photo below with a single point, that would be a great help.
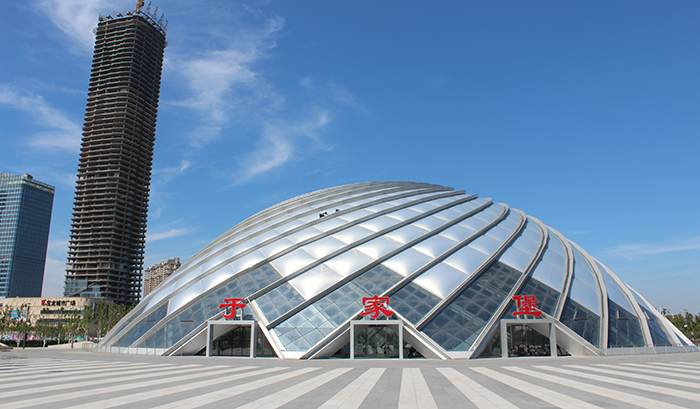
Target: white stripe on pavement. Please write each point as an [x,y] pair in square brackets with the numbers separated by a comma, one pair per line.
[553,398]
[352,396]
[414,392]
[63,366]
[118,388]
[697,364]
[157,393]
[221,394]
[690,367]
[480,396]
[629,384]
[100,381]
[664,366]
[662,373]
[608,393]
[285,396]
[658,378]
[89,374]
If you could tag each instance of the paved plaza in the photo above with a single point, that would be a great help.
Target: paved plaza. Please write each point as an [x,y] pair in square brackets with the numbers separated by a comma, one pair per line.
[46,378]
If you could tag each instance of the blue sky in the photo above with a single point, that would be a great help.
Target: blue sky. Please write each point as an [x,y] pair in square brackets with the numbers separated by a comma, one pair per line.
[585,115]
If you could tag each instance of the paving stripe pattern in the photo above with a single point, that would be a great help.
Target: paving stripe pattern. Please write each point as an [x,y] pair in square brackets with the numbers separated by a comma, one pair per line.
[352,396]
[45,382]
[414,392]
[606,392]
[659,372]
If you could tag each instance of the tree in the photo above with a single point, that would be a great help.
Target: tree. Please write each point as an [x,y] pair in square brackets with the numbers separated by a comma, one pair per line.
[102,318]
[88,320]
[5,321]
[117,312]
[105,316]
[74,323]
[687,323]
[43,329]
[60,325]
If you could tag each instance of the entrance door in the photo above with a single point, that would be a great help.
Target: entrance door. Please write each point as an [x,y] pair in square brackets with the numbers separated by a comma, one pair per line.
[525,341]
[376,339]
[234,342]
[529,337]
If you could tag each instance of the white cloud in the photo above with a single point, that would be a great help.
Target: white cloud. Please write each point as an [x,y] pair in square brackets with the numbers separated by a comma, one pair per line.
[226,87]
[168,234]
[306,83]
[278,145]
[62,134]
[344,96]
[77,18]
[633,251]
[222,79]
[169,173]
[223,84]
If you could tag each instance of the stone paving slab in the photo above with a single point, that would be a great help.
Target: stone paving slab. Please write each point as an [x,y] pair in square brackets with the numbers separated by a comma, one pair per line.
[40,378]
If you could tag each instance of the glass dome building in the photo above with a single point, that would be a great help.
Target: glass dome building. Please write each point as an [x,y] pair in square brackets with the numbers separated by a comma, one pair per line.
[393,269]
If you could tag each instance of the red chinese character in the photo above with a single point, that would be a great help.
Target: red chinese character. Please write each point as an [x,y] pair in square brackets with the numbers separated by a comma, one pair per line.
[526,305]
[232,303]
[375,305]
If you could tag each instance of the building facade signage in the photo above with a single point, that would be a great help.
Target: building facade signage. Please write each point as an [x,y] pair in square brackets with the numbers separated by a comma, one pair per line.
[57,303]
[373,306]
[230,304]
[527,305]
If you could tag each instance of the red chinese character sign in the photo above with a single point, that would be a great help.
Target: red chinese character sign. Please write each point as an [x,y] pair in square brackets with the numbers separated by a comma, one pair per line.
[527,305]
[232,303]
[375,305]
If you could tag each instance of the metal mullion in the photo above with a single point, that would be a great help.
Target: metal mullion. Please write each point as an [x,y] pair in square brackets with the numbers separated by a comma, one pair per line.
[406,193]
[380,260]
[495,318]
[569,274]
[294,204]
[604,324]
[296,246]
[442,257]
[484,266]
[292,231]
[663,322]
[183,340]
[280,211]
[405,280]
[338,330]
[321,196]
[259,218]
[361,241]
[646,333]
[296,229]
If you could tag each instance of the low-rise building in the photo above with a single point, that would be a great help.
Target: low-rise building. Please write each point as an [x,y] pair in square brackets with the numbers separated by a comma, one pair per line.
[155,274]
[52,309]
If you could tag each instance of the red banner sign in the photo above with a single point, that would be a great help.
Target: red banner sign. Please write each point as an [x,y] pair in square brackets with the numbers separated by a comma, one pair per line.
[527,305]
[376,305]
[232,303]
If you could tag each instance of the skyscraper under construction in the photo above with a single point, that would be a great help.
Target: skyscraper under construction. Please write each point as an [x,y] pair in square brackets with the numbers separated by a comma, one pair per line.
[108,228]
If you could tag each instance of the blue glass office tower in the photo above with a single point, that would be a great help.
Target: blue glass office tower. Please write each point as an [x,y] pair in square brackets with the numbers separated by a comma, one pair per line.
[25,218]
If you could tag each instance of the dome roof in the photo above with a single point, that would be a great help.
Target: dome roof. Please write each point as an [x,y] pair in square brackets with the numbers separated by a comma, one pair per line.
[450,264]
